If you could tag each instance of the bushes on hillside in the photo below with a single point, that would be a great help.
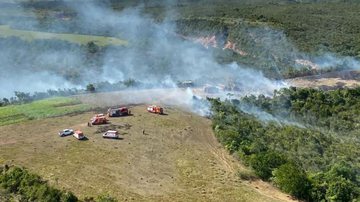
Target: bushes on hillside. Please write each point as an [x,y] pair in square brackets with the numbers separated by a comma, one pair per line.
[339,183]
[335,110]
[264,163]
[30,187]
[305,159]
[293,180]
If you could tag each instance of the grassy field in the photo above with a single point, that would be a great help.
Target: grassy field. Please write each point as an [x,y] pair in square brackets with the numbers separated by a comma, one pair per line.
[178,158]
[40,109]
[6,31]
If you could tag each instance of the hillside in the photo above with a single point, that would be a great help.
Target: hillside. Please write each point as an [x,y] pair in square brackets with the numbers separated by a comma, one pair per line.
[178,159]
[261,100]
[303,140]
[6,31]
[271,36]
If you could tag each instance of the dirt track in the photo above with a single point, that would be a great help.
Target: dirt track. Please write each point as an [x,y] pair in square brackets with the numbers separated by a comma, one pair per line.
[178,159]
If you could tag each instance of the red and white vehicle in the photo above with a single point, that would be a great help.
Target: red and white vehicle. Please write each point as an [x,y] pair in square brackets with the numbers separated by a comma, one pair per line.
[155,109]
[98,119]
[99,115]
[112,134]
[79,135]
[116,112]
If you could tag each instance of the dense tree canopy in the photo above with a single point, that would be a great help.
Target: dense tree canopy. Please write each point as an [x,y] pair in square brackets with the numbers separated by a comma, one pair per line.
[310,146]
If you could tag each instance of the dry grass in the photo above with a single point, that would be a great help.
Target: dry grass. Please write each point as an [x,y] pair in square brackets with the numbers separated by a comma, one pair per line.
[177,160]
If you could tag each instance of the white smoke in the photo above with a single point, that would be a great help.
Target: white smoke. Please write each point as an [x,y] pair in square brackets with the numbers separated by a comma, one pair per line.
[30,80]
[330,61]
[266,117]
[155,55]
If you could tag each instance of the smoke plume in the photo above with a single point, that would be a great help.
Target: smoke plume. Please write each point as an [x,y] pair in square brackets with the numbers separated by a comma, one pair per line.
[154,54]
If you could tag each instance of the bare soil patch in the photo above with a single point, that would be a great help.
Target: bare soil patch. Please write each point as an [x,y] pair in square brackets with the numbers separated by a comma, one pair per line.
[328,81]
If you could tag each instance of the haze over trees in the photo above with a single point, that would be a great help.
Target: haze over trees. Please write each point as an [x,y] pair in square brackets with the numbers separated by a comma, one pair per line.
[309,145]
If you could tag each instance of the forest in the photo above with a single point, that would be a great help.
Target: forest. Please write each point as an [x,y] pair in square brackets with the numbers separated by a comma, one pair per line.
[273,34]
[308,145]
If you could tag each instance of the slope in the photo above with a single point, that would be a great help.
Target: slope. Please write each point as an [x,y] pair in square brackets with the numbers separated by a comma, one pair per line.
[178,158]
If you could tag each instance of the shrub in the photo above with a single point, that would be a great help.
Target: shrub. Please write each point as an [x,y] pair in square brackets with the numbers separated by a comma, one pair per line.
[293,180]
[92,47]
[340,189]
[130,83]
[265,163]
[247,175]
[90,88]
[30,187]
[337,184]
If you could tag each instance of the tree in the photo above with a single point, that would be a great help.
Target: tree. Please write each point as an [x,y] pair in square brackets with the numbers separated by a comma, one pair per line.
[23,97]
[265,163]
[30,187]
[92,47]
[90,88]
[6,101]
[130,83]
[293,180]
[340,189]
[342,169]
[338,184]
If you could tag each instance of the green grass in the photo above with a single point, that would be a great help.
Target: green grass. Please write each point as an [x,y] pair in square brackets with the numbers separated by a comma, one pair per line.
[40,109]
[7,31]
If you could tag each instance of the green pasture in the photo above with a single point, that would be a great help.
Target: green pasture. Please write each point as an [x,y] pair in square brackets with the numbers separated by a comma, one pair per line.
[40,109]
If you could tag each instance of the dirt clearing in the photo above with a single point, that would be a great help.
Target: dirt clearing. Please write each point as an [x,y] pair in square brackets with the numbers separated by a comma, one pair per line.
[328,81]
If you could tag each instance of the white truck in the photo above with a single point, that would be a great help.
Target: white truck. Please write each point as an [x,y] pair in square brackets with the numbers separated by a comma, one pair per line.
[66,132]
[112,134]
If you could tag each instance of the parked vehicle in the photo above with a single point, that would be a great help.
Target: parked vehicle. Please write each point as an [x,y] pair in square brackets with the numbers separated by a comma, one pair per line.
[98,119]
[116,112]
[79,135]
[112,134]
[66,132]
[155,109]
[185,84]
